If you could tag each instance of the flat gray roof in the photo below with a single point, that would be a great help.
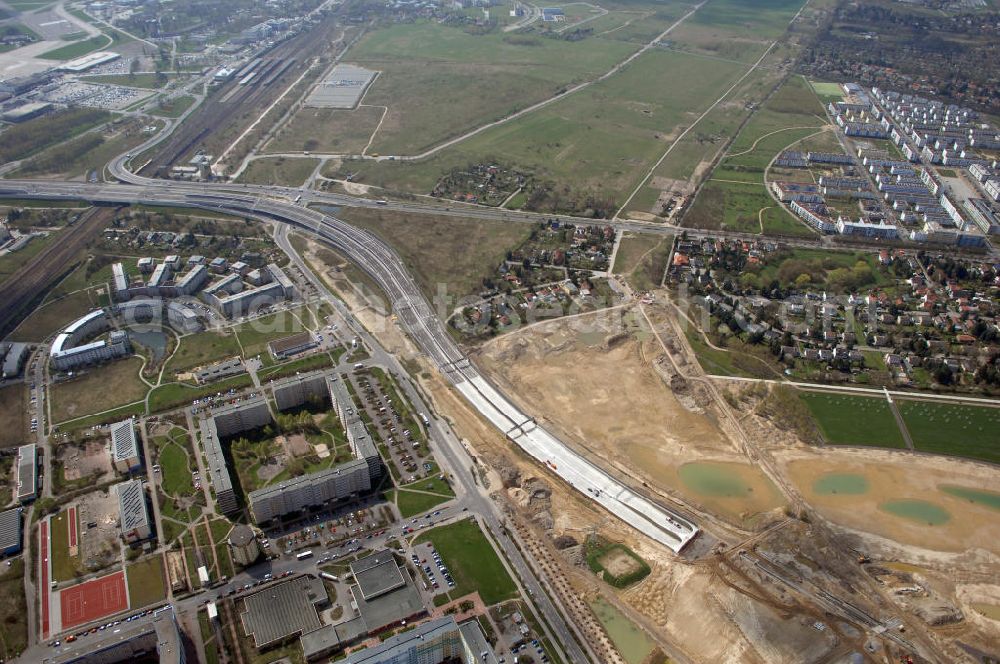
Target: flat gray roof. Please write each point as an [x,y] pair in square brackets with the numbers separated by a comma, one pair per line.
[401,644]
[343,88]
[392,607]
[217,469]
[377,574]
[124,444]
[283,609]
[27,471]
[10,529]
[331,637]
[132,503]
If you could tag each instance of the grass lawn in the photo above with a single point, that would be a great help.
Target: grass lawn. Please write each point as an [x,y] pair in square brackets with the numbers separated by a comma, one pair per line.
[54,315]
[39,133]
[851,420]
[176,470]
[966,431]
[601,140]
[327,130]
[642,259]
[738,206]
[77,49]
[412,503]
[64,566]
[317,361]
[104,418]
[88,392]
[174,107]
[12,262]
[254,335]
[203,348]
[173,395]
[145,582]
[472,561]
[827,92]
[13,612]
[426,66]
[287,171]
[14,415]
[447,252]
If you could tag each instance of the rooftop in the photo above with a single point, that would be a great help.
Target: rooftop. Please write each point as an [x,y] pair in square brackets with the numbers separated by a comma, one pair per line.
[283,610]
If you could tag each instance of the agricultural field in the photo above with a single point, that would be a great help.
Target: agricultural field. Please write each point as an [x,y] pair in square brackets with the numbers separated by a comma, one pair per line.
[473,563]
[966,431]
[448,251]
[850,420]
[327,130]
[87,393]
[426,67]
[290,172]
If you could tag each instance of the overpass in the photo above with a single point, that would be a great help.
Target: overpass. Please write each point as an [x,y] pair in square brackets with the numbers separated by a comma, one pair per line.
[379,261]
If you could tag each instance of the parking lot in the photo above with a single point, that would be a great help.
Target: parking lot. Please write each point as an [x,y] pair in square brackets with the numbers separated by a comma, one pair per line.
[408,452]
[108,97]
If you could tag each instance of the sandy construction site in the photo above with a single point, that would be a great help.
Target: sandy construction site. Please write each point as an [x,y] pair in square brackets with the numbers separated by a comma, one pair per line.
[638,403]
[600,383]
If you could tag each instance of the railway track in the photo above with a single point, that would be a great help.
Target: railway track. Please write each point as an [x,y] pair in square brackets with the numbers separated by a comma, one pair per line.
[283,64]
[34,278]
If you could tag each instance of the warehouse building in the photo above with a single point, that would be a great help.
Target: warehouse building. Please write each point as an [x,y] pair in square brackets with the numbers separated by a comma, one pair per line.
[133,513]
[125,447]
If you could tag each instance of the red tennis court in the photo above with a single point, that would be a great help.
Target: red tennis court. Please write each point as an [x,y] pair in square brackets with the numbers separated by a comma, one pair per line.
[93,600]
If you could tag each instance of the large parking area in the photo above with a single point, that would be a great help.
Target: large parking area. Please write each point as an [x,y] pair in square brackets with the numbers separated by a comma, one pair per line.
[108,97]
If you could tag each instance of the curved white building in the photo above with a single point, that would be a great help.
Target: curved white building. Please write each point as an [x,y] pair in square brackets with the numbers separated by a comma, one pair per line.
[67,353]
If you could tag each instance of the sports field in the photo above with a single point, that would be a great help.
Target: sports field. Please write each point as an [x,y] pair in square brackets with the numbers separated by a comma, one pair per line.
[92,600]
[850,420]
